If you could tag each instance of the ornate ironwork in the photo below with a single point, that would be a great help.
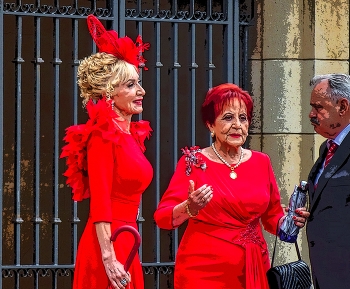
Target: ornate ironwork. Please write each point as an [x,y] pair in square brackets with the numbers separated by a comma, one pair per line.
[38,271]
[58,11]
[176,15]
[246,11]
[155,268]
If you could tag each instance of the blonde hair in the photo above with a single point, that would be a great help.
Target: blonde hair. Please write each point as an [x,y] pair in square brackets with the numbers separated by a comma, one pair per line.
[100,73]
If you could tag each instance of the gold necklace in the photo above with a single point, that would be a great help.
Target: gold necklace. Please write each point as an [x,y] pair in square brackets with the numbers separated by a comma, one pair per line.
[233,174]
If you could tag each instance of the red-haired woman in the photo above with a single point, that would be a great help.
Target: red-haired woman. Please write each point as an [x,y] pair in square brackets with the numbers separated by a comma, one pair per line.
[225,191]
[106,162]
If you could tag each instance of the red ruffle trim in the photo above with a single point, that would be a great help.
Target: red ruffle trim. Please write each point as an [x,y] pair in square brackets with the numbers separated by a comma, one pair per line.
[101,118]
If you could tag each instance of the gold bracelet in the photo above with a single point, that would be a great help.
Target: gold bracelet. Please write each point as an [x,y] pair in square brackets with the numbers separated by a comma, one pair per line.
[189,212]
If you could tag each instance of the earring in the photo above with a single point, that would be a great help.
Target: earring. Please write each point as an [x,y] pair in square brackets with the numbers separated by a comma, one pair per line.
[212,134]
[112,105]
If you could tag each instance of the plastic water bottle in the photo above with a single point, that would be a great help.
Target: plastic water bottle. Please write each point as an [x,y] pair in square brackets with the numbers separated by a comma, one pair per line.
[289,231]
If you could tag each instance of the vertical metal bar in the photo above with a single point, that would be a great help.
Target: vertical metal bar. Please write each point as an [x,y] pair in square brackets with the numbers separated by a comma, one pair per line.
[158,67]
[75,220]
[228,40]
[211,65]
[115,11]
[231,36]
[18,128]
[194,66]
[1,124]
[209,51]
[56,71]
[235,21]
[37,91]
[140,218]
[209,48]
[17,168]
[176,66]
[245,57]
[121,17]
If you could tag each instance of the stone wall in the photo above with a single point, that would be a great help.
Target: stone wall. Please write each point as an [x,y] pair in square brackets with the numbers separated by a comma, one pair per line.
[293,41]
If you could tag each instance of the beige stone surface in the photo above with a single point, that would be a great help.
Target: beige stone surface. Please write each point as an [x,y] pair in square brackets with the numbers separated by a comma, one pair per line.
[256,33]
[331,66]
[284,151]
[286,96]
[255,90]
[283,30]
[253,142]
[332,29]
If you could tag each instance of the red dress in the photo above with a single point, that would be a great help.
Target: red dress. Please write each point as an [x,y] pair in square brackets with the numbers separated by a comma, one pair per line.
[223,247]
[108,166]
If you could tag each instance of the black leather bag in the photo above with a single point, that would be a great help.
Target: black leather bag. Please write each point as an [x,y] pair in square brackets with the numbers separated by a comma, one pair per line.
[294,275]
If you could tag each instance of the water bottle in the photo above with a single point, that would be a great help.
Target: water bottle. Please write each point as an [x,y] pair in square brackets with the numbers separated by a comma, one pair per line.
[289,231]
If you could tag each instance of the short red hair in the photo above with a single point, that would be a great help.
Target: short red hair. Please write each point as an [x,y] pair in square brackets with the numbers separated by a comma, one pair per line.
[218,96]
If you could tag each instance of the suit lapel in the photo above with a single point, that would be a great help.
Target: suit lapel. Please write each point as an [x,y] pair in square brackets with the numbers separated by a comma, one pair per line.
[314,171]
[339,157]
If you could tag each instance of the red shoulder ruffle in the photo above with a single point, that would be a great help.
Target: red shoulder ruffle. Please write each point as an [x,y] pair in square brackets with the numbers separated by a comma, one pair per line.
[101,118]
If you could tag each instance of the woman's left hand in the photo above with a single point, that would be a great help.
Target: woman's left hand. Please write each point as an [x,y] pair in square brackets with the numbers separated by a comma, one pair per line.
[303,215]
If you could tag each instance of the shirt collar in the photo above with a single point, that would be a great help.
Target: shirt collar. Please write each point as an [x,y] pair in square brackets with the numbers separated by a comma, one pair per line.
[340,137]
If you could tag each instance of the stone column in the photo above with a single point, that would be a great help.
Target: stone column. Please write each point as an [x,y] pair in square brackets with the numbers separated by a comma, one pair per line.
[291,42]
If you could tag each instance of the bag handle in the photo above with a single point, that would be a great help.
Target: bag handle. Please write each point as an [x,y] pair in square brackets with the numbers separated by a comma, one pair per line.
[274,247]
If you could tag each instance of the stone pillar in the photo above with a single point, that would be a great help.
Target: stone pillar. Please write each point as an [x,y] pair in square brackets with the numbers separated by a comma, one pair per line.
[291,42]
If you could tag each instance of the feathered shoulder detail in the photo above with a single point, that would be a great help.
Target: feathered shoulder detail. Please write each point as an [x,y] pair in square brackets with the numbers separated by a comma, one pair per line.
[102,118]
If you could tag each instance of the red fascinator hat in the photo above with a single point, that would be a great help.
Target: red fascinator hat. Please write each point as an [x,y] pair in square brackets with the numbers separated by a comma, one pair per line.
[123,48]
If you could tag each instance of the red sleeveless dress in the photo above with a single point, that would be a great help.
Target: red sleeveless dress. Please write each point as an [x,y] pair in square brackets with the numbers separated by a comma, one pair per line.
[109,167]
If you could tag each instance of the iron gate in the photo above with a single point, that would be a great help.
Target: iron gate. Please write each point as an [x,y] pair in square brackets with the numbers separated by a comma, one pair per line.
[195,44]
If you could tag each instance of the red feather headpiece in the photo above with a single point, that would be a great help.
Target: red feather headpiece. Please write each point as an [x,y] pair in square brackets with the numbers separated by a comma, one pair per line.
[122,48]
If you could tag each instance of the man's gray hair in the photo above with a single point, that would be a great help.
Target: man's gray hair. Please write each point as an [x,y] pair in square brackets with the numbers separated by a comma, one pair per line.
[339,84]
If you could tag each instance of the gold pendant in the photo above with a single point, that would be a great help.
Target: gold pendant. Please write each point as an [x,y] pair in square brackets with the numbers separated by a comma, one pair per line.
[233,175]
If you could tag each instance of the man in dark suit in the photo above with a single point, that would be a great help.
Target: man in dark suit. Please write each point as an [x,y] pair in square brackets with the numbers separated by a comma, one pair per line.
[328,227]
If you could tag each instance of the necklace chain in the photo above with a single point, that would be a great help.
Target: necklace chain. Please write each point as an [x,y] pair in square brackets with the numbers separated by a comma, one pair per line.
[116,121]
[225,162]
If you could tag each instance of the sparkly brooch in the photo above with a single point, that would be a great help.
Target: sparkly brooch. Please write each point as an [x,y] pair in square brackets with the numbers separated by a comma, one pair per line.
[192,159]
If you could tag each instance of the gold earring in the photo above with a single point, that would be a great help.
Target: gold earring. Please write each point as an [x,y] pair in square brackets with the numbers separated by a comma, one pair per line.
[212,134]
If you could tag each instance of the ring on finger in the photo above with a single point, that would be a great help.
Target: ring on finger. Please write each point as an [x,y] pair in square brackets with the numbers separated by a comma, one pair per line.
[123,282]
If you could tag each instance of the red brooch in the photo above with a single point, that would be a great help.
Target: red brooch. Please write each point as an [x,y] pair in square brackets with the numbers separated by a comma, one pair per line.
[192,159]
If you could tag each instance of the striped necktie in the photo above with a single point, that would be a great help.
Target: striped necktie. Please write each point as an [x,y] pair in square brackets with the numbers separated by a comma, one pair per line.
[332,147]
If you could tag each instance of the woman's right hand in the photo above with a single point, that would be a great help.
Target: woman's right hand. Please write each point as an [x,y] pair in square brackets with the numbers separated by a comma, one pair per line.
[198,199]
[116,273]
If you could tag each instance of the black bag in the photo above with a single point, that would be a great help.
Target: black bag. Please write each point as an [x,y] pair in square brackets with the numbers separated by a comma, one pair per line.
[294,275]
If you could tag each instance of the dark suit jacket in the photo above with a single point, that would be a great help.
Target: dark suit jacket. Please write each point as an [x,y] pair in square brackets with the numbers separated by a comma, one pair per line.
[328,228]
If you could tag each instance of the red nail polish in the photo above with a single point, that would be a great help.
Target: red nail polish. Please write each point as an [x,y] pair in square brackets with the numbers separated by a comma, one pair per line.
[294,217]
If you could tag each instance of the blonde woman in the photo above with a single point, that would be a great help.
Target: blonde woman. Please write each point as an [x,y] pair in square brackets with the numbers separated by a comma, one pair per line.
[105,159]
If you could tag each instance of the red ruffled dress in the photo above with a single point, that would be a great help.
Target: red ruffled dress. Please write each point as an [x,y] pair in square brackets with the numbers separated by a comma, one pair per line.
[109,166]
[223,247]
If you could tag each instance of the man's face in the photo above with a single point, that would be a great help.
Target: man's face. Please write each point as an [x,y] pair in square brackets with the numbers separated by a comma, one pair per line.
[324,114]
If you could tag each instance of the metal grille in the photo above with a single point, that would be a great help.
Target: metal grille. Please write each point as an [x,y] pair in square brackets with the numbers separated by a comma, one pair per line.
[194,46]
